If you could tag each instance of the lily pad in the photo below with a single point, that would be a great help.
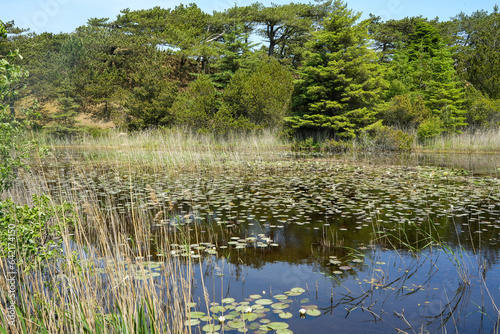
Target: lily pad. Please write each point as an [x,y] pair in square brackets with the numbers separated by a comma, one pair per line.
[313,312]
[285,315]
[284,331]
[235,324]
[217,309]
[281,296]
[194,315]
[277,325]
[250,316]
[264,302]
[280,306]
[210,328]
[192,322]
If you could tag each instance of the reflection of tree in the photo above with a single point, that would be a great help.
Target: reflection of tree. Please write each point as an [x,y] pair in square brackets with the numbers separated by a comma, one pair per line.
[456,298]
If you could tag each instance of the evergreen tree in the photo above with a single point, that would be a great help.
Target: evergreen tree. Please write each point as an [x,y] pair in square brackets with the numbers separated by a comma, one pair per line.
[424,69]
[479,59]
[235,51]
[340,80]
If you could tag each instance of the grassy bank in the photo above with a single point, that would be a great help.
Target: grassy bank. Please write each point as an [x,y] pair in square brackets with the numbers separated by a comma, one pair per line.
[183,144]
[470,141]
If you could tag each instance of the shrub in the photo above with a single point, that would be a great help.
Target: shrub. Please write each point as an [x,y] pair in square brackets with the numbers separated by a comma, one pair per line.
[403,112]
[33,233]
[389,139]
[430,128]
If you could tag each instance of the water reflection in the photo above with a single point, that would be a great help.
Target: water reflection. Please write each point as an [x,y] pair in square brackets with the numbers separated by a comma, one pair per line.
[403,247]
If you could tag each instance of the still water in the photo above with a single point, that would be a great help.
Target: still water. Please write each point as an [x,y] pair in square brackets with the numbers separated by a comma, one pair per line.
[362,244]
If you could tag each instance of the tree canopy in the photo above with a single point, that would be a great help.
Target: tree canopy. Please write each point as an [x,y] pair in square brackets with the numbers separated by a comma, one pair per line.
[305,68]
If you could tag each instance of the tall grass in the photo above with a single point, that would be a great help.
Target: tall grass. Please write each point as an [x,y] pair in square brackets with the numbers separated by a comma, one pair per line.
[172,150]
[92,288]
[470,141]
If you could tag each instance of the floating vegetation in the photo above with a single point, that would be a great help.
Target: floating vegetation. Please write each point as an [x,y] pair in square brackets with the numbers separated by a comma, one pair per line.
[339,235]
[244,315]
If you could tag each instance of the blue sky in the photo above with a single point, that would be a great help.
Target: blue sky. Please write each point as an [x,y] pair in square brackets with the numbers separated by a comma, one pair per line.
[66,15]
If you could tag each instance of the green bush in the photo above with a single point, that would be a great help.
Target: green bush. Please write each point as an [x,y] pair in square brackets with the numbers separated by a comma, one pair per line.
[308,144]
[196,107]
[32,234]
[430,128]
[404,112]
[389,139]
[262,96]
[482,112]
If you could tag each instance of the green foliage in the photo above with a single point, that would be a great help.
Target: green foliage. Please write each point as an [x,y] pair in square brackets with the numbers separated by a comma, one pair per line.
[285,27]
[132,69]
[235,50]
[196,106]
[148,104]
[14,145]
[340,80]
[478,48]
[403,112]
[386,138]
[389,35]
[339,126]
[262,96]
[424,67]
[306,144]
[33,233]
[430,128]
[482,112]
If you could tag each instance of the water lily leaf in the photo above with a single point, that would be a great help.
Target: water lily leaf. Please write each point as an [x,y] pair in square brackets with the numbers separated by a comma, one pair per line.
[235,324]
[227,301]
[192,322]
[217,309]
[254,326]
[301,290]
[255,296]
[281,296]
[285,315]
[250,316]
[277,325]
[284,331]
[193,315]
[210,328]
[293,294]
[279,306]
[264,301]
[313,312]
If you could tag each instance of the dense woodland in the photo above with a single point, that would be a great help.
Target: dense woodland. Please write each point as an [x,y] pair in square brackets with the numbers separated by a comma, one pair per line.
[303,69]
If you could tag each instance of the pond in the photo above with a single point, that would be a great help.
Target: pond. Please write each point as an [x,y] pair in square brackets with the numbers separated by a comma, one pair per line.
[357,244]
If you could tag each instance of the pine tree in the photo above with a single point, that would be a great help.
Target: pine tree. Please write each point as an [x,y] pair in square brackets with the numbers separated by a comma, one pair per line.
[424,68]
[340,80]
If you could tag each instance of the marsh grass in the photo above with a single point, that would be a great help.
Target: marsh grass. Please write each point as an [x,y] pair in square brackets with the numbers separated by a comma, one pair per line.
[93,289]
[171,148]
[102,284]
[470,141]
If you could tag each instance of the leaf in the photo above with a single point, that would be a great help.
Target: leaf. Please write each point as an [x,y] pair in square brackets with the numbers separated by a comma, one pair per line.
[313,312]
[277,325]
